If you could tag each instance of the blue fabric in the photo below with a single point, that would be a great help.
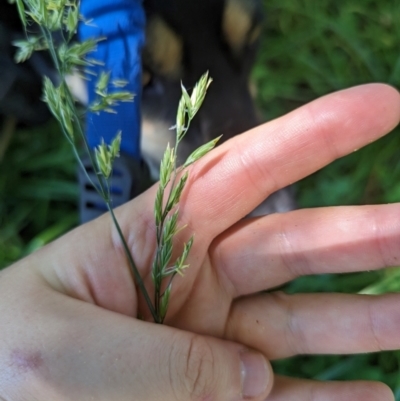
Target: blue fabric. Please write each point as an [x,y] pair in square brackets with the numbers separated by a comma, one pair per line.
[122,22]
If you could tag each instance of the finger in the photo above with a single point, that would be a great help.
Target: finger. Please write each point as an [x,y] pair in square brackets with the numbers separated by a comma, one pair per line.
[88,353]
[281,325]
[242,172]
[266,252]
[232,180]
[289,389]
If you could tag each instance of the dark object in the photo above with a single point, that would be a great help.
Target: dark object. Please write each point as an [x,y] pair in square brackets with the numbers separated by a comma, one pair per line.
[20,84]
[184,40]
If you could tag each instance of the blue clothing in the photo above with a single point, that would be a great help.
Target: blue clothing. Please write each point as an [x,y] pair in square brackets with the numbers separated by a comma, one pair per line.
[122,22]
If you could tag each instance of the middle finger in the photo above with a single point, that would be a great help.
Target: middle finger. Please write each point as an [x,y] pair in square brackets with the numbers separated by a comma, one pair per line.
[263,253]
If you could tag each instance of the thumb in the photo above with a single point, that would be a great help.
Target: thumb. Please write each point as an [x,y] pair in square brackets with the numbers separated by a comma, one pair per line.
[88,353]
[191,367]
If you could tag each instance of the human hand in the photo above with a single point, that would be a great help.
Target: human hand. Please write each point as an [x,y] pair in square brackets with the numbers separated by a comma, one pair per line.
[69,324]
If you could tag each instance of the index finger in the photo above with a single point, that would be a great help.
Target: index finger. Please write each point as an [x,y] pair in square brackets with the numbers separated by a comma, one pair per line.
[241,173]
[236,177]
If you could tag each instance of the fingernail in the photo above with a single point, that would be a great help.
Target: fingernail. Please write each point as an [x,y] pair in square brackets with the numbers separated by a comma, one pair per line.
[255,374]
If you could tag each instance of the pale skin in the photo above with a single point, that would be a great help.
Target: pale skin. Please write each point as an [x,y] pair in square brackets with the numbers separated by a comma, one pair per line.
[68,313]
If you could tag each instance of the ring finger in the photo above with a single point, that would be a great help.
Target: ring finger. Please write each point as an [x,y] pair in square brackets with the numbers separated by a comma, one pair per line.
[281,325]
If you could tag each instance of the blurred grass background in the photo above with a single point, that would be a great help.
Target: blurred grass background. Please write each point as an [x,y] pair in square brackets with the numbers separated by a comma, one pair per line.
[310,48]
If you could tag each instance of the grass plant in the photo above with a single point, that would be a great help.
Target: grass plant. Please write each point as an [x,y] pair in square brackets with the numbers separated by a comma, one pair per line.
[57,23]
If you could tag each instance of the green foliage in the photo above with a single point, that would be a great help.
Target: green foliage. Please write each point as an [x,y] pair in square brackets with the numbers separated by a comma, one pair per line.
[310,48]
[38,191]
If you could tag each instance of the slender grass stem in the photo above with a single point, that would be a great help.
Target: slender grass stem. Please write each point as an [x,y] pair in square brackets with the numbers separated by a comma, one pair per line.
[47,36]
[135,271]
[82,166]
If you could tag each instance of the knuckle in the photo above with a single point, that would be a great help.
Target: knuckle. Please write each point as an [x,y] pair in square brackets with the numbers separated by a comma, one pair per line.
[199,376]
